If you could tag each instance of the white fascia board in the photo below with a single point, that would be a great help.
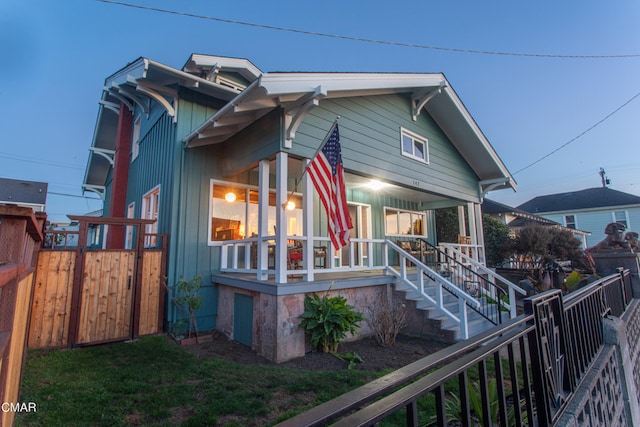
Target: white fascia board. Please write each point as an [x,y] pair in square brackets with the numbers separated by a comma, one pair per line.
[346,83]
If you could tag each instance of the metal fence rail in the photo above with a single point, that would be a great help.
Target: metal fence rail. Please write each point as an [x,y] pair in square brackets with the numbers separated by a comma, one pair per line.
[520,373]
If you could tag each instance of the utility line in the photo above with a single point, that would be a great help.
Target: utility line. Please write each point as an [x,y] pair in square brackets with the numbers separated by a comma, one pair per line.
[580,135]
[73,195]
[366,40]
[40,162]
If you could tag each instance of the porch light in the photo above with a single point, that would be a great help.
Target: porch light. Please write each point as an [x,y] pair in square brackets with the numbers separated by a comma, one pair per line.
[376,185]
[290,205]
[230,197]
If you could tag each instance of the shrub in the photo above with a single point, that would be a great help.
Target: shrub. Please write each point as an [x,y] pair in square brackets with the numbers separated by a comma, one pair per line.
[328,320]
[188,300]
[387,318]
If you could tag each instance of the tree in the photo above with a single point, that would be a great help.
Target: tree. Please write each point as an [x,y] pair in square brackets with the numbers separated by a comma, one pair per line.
[447,225]
[497,240]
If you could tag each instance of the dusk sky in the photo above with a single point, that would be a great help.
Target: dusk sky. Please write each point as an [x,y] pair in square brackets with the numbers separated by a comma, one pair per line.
[545,78]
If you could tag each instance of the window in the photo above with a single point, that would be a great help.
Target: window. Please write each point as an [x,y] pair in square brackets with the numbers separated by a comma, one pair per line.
[135,139]
[150,204]
[234,212]
[131,209]
[570,221]
[404,223]
[414,146]
[621,217]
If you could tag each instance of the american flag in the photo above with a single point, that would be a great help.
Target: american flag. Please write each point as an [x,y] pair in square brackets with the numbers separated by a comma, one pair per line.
[327,175]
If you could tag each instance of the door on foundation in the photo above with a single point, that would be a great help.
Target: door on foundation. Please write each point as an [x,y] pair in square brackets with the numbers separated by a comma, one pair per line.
[361,221]
[243,319]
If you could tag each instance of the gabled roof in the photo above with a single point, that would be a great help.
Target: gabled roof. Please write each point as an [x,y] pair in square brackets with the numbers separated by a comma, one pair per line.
[24,193]
[145,79]
[297,93]
[590,198]
[521,218]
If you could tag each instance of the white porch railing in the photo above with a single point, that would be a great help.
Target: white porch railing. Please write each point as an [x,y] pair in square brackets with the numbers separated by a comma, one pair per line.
[464,253]
[422,271]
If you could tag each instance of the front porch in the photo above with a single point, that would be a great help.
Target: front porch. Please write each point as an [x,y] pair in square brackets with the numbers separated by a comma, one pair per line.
[265,314]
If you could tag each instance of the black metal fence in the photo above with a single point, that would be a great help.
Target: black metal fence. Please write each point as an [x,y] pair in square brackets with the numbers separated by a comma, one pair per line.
[522,372]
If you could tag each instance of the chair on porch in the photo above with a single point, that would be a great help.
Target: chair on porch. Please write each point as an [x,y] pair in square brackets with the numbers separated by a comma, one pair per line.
[464,240]
[294,257]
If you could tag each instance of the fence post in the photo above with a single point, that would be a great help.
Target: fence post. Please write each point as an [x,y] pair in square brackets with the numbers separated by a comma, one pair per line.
[548,353]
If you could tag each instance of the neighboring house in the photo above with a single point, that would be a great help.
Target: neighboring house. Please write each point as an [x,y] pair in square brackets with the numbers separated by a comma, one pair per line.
[28,194]
[215,150]
[516,218]
[588,210]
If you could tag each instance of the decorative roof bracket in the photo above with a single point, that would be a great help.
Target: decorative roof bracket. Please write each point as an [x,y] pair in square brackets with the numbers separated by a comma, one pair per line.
[107,154]
[491,184]
[296,111]
[420,99]
[112,91]
[98,189]
[151,93]
[111,106]
[142,103]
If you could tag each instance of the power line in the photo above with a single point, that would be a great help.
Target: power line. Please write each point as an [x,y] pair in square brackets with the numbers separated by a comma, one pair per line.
[73,195]
[580,135]
[40,162]
[366,40]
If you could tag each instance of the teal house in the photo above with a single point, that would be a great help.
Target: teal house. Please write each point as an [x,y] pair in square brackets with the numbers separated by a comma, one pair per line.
[214,151]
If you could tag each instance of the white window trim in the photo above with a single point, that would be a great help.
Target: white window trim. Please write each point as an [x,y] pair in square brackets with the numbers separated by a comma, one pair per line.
[414,137]
[626,217]
[153,228]
[131,213]
[135,139]
[575,220]
[399,210]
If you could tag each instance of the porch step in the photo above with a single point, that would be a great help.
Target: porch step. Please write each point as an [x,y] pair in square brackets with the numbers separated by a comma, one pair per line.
[437,319]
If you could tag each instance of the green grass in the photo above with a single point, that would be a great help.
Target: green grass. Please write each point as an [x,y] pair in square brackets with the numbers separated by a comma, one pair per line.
[152,381]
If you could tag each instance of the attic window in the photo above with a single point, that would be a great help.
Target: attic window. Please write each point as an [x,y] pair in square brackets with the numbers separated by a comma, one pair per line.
[229,83]
[414,146]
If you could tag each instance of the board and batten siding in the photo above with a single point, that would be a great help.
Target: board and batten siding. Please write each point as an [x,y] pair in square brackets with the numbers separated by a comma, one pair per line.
[370,129]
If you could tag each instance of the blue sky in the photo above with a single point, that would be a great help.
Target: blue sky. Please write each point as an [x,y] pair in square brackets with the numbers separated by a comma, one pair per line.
[54,57]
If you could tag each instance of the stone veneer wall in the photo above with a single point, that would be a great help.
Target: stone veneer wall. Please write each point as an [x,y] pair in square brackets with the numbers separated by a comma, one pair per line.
[276,334]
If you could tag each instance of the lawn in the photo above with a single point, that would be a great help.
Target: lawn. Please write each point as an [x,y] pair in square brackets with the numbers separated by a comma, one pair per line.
[152,381]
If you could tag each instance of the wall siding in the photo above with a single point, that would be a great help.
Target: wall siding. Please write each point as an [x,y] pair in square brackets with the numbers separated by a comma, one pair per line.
[595,221]
[370,137]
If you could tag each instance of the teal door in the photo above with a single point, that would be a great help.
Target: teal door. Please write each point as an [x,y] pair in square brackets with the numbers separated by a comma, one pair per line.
[243,319]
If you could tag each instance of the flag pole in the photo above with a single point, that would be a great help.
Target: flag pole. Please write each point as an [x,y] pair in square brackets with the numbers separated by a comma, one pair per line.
[304,170]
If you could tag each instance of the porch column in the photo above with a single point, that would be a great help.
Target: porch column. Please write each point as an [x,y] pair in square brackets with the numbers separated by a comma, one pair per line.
[462,227]
[281,218]
[262,247]
[307,224]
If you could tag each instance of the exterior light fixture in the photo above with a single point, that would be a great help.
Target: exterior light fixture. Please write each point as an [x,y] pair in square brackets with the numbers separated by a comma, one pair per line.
[375,185]
[230,197]
[290,205]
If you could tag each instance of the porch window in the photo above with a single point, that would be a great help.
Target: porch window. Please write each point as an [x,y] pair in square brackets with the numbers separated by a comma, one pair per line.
[414,146]
[234,212]
[404,223]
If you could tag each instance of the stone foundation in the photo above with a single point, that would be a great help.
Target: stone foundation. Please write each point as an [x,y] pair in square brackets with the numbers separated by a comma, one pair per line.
[276,334]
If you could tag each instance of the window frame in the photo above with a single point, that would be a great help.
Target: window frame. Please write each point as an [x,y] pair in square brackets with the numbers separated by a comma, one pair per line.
[422,214]
[574,221]
[148,200]
[135,139]
[614,216]
[415,138]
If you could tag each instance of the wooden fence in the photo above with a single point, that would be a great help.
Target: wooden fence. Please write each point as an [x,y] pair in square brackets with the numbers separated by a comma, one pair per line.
[87,296]
[20,237]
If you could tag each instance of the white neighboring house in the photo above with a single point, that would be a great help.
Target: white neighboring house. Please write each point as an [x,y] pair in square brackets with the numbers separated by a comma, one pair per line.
[588,210]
